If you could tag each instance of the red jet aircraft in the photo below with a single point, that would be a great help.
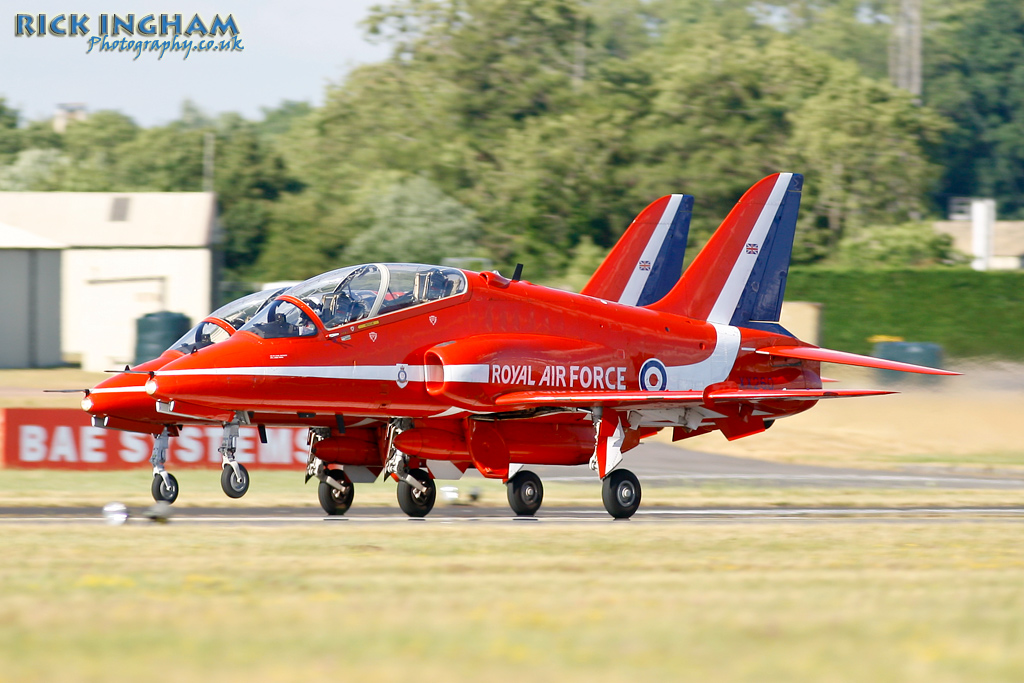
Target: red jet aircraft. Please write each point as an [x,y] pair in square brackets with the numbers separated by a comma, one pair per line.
[642,268]
[475,369]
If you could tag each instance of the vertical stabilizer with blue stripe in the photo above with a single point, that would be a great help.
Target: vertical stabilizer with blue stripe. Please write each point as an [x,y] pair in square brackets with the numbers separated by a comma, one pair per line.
[648,259]
[739,277]
[761,298]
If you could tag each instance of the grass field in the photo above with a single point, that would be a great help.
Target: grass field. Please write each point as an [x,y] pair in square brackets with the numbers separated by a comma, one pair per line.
[591,602]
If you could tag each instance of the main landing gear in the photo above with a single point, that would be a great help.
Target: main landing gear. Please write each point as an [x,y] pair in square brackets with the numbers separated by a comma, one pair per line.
[620,491]
[336,492]
[525,493]
[165,486]
[417,501]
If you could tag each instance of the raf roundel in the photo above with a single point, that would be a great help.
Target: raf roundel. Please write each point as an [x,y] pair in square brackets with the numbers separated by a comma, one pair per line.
[653,376]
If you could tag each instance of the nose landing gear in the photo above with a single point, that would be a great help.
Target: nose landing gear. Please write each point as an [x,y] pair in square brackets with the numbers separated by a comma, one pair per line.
[165,486]
[234,478]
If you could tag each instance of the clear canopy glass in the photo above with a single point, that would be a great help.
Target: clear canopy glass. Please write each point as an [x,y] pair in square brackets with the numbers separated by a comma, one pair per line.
[236,314]
[354,293]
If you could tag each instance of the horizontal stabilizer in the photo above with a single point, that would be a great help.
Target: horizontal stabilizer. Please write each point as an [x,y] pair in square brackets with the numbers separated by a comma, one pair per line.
[844,358]
[652,398]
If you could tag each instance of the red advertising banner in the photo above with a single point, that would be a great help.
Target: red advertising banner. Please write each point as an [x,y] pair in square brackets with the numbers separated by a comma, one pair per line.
[49,438]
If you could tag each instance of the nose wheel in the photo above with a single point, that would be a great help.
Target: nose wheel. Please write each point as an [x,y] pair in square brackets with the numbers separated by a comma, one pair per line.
[334,500]
[525,493]
[413,501]
[234,480]
[620,490]
[165,487]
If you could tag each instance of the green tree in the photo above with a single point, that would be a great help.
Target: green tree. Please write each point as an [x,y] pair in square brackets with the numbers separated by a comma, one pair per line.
[977,81]
[414,221]
[10,140]
[909,244]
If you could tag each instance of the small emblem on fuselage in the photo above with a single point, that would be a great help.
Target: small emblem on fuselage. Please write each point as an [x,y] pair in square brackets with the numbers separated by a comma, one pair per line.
[653,376]
[403,375]
[645,265]
[373,336]
[433,319]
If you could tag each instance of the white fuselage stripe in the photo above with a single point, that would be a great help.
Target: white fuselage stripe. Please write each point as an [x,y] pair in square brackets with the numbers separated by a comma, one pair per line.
[638,279]
[715,368]
[729,297]
[118,390]
[478,373]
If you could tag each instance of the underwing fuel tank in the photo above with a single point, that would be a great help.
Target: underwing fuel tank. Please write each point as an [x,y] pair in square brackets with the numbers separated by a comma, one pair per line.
[355,447]
[536,443]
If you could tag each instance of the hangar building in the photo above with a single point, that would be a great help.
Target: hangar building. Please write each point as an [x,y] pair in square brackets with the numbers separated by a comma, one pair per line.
[123,255]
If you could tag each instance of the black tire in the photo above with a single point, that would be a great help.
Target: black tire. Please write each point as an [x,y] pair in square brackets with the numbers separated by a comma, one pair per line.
[234,486]
[621,493]
[525,493]
[161,491]
[333,501]
[414,503]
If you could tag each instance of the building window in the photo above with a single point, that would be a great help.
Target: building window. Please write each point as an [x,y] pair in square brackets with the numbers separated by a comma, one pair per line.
[119,209]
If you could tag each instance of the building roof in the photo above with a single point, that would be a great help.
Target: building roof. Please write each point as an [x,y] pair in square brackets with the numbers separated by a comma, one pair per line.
[113,219]
[1007,236]
[16,238]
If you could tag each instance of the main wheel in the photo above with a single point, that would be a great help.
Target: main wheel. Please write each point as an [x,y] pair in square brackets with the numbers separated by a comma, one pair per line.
[333,501]
[163,491]
[525,493]
[621,493]
[234,485]
[413,502]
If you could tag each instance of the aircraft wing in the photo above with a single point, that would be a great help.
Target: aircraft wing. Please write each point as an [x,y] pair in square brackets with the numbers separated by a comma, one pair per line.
[665,399]
[844,358]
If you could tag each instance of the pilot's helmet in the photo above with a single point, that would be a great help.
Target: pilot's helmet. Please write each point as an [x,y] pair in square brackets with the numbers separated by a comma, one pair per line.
[435,285]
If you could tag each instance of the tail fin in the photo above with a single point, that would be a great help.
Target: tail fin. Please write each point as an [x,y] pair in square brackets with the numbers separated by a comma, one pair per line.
[647,260]
[739,276]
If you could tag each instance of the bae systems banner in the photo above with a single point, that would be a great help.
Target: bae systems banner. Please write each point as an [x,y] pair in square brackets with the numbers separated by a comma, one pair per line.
[65,439]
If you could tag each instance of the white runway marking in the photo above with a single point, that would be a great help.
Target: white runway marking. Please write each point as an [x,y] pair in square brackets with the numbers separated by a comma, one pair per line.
[573,516]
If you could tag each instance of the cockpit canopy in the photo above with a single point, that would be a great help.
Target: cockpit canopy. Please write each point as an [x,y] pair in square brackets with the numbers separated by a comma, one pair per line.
[235,314]
[346,295]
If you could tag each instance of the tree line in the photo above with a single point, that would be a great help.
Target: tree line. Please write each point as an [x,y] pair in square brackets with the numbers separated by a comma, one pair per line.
[533,131]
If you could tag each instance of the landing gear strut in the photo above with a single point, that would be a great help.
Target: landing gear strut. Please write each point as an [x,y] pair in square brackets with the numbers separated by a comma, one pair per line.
[525,493]
[165,486]
[234,478]
[620,490]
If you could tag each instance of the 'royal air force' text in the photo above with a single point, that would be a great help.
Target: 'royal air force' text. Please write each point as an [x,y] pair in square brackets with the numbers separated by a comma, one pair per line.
[612,378]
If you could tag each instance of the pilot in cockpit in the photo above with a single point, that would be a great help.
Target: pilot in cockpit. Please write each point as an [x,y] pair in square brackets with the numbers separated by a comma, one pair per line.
[430,285]
[339,308]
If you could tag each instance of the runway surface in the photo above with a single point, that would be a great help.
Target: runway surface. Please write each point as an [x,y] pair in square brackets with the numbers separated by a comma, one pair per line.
[661,464]
[656,465]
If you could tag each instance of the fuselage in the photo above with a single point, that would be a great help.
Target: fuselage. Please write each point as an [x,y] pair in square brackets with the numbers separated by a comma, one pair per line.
[455,355]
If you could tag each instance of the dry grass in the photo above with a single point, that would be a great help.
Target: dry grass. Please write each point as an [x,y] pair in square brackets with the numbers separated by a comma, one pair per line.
[615,601]
[968,421]
[26,388]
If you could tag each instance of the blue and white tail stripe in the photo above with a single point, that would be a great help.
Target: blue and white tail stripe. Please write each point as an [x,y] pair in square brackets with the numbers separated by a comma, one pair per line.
[757,282]
[661,261]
